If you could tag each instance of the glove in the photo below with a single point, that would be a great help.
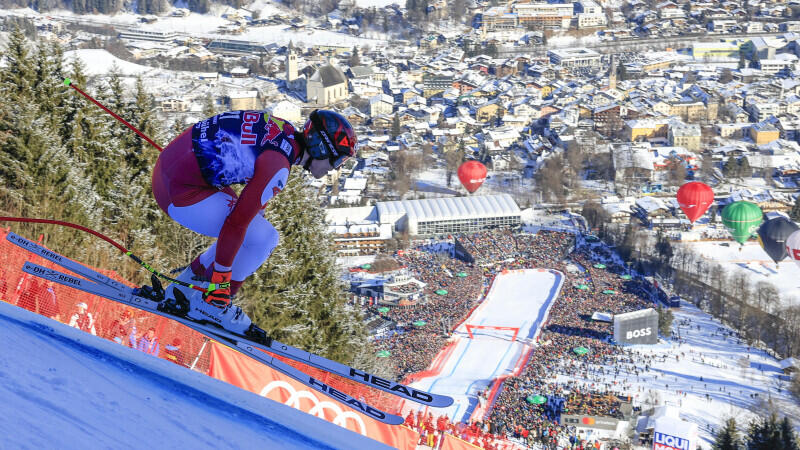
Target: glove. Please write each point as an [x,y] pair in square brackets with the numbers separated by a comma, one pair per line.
[219,291]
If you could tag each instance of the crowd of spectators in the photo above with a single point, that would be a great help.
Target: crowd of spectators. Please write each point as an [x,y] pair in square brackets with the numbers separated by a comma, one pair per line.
[569,325]
[414,347]
[40,296]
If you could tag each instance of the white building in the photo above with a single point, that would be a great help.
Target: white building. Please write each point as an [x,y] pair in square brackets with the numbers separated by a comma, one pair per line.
[723,25]
[773,66]
[442,216]
[380,104]
[575,57]
[288,111]
[591,20]
[148,35]
[328,85]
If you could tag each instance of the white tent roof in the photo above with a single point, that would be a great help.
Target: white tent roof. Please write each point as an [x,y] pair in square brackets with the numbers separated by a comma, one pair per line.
[451,208]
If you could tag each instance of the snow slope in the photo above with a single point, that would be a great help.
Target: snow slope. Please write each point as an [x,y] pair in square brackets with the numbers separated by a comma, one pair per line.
[62,388]
[754,262]
[475,363]
[100,62]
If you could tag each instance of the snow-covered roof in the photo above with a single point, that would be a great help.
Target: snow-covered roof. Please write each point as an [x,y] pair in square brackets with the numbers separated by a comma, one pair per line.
[635,314]
[451,208]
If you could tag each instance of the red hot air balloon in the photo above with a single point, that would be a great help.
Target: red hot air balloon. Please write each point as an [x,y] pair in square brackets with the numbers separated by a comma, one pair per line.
[694,199]
[472,175]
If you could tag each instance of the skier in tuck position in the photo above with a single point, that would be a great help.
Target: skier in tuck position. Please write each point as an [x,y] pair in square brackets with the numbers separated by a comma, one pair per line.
[191,183]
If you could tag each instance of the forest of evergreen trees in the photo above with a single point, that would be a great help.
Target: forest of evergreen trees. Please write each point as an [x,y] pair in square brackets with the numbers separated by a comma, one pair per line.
[114,6]
[764,433]
[63,158]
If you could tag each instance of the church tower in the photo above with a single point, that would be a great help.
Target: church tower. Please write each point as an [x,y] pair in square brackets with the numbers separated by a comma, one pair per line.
[291,64]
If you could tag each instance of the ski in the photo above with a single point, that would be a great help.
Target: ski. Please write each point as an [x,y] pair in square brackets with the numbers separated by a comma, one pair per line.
[119,292]
[236,343]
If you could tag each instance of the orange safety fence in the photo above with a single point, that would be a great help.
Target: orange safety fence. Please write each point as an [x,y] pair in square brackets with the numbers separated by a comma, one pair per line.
[60,303]
[108,319]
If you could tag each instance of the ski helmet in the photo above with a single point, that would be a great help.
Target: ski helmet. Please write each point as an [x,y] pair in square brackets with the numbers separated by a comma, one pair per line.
[330,136]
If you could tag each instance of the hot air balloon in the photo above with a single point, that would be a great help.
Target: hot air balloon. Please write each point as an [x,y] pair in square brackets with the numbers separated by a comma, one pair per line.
[472,175]
[742,220]
[793,247]
[772,236]
[694,199]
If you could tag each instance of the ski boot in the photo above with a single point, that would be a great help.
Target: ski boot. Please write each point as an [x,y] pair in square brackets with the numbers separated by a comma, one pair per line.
[230,317]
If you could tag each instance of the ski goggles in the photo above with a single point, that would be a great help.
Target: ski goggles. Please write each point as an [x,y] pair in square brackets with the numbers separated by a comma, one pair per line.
[326,149]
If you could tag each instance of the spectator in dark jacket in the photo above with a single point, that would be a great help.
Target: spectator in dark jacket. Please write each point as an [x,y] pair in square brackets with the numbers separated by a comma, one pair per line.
[121,328]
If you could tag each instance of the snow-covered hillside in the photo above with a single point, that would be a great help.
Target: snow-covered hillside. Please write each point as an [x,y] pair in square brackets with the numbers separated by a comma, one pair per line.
[63,388]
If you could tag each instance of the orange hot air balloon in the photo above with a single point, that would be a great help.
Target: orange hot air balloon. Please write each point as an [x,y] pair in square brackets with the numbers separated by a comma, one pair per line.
[694,199]
[472,175]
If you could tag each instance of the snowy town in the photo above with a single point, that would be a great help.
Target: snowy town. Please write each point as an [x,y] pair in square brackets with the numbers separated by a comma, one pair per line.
[574,220]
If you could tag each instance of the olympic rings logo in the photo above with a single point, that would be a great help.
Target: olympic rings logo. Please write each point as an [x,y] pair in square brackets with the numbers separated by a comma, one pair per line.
[319,406]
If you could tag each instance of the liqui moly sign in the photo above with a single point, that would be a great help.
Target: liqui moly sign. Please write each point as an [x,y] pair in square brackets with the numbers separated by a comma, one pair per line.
[662,441]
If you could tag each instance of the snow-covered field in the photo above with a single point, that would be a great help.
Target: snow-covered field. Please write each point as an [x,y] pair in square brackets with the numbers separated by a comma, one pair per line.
[100,62]
[714,377]
[63,388]
[754,262]
[207,25]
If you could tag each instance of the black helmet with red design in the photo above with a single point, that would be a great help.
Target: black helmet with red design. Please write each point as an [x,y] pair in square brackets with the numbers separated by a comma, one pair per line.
[329,135]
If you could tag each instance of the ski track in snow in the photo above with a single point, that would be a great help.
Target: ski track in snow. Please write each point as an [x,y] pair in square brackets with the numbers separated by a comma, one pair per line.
[64,388]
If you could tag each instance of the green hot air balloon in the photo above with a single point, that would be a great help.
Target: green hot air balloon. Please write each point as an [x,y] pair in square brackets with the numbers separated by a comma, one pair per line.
[742,220]
[772,236]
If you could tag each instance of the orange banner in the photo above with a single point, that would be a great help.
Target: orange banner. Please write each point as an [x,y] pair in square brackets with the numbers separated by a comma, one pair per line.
[234,368]
[451,442]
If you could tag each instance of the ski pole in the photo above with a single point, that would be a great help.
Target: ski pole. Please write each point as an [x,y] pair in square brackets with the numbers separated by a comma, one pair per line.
[68,82]
[119,247]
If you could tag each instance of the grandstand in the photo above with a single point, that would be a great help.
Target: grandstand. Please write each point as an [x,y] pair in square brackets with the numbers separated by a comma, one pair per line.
[450,215]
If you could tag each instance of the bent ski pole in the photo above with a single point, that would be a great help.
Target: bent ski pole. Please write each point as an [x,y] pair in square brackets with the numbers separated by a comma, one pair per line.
[68,82]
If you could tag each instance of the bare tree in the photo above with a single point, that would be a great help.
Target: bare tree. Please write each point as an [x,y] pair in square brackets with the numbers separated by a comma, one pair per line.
[719,280]
[550,179]
[676,170]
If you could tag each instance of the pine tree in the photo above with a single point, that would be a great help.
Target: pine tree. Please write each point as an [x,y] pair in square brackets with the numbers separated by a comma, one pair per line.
[396,126]
[297,295]
[788,436]
[355,60]
[622,72]
[744,170]
[795,212]
[730,168]
[728,437]
[764,434]
[209,108]
[15,95]
[140,155]
[115,100]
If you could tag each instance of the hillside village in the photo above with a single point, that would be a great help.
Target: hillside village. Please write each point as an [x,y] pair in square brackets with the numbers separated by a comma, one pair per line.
[630,126]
